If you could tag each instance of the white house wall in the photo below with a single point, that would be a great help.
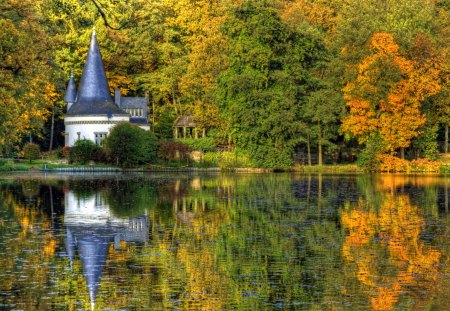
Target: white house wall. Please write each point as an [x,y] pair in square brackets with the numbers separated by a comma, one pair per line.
[91,210]
[87,126]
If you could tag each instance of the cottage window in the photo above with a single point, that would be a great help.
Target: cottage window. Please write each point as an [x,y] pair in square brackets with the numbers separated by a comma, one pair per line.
[99,138]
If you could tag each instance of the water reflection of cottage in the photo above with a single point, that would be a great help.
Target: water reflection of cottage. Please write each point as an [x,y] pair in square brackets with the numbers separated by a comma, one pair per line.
[91,228]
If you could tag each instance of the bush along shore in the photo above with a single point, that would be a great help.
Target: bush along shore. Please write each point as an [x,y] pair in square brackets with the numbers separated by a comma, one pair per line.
[131,149]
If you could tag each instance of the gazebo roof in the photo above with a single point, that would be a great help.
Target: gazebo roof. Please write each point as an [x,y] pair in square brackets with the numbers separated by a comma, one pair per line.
[185,121]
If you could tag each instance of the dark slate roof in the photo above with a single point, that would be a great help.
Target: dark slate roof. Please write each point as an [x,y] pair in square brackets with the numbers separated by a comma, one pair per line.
[186,120]
[133,102]
[139,121]
[71,91]
[93,250]
[94,97]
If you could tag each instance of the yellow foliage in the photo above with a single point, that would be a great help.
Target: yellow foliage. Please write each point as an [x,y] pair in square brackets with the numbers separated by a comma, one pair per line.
[318,13]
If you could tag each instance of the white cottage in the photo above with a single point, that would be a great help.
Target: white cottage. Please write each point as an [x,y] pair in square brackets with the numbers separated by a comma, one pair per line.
[91,111]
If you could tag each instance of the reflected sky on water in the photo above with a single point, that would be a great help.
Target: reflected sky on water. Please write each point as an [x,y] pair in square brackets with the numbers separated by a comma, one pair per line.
[224,241]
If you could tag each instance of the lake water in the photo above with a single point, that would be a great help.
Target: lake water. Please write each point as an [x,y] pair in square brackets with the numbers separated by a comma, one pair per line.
[224,242]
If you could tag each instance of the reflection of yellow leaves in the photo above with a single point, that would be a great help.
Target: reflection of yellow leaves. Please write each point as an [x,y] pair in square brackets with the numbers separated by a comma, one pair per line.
[396,228]
[206,281]
[49,248]
[393,181]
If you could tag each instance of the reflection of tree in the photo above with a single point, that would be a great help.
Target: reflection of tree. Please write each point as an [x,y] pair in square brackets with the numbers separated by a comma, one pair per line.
[28,247]
[386,249]
[199,220]
[247,242]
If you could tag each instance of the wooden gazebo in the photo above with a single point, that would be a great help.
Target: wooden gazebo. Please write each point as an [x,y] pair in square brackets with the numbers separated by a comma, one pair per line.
[186,127]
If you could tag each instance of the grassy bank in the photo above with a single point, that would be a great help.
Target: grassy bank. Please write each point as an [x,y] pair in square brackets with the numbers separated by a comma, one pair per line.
[224,162]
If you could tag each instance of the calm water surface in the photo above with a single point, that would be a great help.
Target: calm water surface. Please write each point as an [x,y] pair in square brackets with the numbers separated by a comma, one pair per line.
[233,242]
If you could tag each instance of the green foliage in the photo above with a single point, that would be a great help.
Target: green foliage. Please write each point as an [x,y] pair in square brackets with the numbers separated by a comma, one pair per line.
[6,165]
[260,91]
[199,144]
[267,76]
[31,151]
[163,128]
[128,145]
[149,147]
[367,158]
[84,151]
[427,144]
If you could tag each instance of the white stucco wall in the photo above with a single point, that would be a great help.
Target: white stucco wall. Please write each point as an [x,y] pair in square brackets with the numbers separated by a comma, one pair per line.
[87,126]
[91,210]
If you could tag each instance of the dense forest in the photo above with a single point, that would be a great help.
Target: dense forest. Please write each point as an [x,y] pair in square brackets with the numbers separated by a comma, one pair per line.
[312,81]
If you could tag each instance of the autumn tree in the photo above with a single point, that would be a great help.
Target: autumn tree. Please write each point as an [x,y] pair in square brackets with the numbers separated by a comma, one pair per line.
[385,98]
[26,88]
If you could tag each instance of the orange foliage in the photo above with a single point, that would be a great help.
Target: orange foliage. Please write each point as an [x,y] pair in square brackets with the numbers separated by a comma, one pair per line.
[396,228]
[385,98]
[390,163]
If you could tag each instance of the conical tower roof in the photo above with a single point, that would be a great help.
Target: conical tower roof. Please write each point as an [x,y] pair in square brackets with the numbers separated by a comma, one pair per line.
[94,97]
[71,91]
[93,251]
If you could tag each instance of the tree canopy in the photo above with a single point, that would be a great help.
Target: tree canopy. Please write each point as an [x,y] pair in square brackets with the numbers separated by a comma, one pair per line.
[271,78]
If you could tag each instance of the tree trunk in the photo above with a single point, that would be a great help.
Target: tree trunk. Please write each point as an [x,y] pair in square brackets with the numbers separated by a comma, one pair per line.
[308,147]
[446,138]
[319,145]
[52,130]
[320,160]
[402,153]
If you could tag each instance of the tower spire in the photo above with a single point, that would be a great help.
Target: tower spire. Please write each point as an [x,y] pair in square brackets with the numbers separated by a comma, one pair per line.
[71,91]
[93,92]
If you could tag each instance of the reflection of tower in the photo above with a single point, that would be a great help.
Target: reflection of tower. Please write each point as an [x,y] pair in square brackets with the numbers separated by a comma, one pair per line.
[90,228]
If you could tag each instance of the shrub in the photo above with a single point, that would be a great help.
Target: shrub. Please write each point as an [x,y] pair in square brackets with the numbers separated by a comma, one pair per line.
[31,151]
[128,145]
[6,165]
[425,165]
[84,151]
[228,159]
[62,152]
[149,147]
[389,163]
[170,150]
[199,144]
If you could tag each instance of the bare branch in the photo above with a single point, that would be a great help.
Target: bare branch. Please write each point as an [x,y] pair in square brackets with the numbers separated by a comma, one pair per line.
[105,19]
